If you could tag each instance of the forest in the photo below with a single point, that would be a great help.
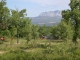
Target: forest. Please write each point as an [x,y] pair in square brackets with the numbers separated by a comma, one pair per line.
[22,40]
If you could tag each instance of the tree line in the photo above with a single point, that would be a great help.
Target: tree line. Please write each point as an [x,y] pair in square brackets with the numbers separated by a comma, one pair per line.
[14,23]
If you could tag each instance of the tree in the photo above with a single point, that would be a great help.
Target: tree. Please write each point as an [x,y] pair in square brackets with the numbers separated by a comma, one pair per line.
[35,32]
[74,16]
[63,31]
[55,32]
[43,30]
[4,14]
[16,20]
[28,29]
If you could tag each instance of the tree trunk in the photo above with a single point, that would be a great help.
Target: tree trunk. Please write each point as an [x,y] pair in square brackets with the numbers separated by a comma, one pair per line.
[75,36]
[17,37]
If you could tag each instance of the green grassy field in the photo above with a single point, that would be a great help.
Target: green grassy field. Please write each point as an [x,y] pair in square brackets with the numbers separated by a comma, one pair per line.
[39,50]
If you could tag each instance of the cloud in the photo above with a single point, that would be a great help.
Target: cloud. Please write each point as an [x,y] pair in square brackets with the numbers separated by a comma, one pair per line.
[52,22]
[49,2]
[41,23]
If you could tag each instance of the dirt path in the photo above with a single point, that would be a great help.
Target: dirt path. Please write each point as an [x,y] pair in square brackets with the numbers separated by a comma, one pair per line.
[1,52]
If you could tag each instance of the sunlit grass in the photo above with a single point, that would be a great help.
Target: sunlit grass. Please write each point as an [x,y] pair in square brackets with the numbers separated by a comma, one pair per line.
[50,49]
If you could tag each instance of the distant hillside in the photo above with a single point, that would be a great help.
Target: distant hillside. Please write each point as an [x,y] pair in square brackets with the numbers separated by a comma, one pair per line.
[49,18]
[51,13]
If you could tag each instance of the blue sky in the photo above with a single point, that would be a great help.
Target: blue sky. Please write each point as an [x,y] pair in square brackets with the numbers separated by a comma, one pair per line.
[35,7]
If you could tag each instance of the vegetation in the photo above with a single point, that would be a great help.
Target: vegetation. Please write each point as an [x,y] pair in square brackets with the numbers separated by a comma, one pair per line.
[63,31]
[73,15]
[40,50]
[21,40]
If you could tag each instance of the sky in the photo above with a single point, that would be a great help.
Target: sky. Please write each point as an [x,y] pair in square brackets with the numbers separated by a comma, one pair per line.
[35,7]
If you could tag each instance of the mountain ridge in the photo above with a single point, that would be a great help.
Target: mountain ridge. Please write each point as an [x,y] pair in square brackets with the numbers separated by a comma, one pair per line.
[48,18]
[51,13]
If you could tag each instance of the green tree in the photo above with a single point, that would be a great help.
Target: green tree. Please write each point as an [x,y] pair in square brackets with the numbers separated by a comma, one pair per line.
[54,32]
[74,15]
[4,16]
[35,32]
[15,21]
[28,29]
[63,31]
[43,30]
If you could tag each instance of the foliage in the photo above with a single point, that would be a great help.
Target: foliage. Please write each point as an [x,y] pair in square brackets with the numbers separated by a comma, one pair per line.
[35,32]
[53,51]
[63,31]
[74,16]
[14,23]
[43,30]
[4,14]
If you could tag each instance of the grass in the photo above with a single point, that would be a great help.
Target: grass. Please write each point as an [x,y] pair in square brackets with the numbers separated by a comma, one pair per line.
[40,50]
